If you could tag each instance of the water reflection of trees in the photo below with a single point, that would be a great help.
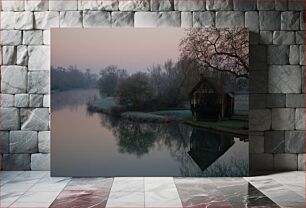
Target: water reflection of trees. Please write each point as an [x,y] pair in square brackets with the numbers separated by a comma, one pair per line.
[139,138]
[72,98]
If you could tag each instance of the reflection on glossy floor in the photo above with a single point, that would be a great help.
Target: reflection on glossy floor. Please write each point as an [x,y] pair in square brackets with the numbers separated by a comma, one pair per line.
[39,190]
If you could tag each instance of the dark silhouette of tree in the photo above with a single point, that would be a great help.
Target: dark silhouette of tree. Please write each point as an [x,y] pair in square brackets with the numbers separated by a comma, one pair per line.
[109,79]
[135,91]
[70,78]
[224,50]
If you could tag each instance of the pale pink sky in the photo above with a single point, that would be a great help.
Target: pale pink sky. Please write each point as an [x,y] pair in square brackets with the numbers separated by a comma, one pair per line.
[134,49]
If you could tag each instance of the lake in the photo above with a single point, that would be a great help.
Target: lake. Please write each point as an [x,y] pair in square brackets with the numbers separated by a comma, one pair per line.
[95,144]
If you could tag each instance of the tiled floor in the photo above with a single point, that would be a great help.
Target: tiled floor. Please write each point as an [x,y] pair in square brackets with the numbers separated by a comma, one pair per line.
[38,190]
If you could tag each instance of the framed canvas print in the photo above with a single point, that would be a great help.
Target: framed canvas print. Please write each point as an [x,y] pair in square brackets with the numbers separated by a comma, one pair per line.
[149,102]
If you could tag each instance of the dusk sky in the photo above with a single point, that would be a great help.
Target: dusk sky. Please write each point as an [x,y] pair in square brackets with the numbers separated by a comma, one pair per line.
[134,49]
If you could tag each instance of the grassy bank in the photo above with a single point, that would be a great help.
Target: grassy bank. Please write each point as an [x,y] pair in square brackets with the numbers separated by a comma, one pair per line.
[231,126]
[110,105]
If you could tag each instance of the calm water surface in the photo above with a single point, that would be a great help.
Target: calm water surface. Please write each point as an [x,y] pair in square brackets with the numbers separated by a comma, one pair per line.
[94,144]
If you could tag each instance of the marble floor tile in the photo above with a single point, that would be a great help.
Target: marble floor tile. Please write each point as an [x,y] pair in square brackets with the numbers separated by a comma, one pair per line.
[202,194]
[161,192]
[126,200]
[50,184]
[81,199]
[37,197]
[291,180]
[277,192]
[30,205]
[128,184]
[153,184]
[6,176]
[89,184]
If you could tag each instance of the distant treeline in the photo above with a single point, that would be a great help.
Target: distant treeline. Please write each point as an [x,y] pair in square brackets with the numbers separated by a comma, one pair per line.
[71,78]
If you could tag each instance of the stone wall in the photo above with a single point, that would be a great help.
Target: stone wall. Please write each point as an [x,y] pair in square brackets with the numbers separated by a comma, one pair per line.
[276,62]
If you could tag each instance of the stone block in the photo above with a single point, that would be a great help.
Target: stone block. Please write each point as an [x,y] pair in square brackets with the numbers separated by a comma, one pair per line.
[290,21]
[9,119]
[186,19]
[39,58]
[297,5]
[13,79]
[46,20]
[261,161]
[295,100]
[190,5]
[40,162]
[16,162]
[4,141]
[281,5]
[12,5]
[303,79]
[11,37]
[9,55]
[24,20]
[7,20]
[276,100]
[219,5]
[258,81]
[294,141]
[21,100]
[302,55]
[302,20]
[36,120]
[285,162]
[265,5]
[44,141]
[22,55]
[161,5]
[23,142]
[274,141]
[283,118]
[97,19]
[46,101]
[278,54]
[36,100]
[6,100]
[252,21]
[157,19]
[63,5]
[256,144]
[283,38]
[134,5]
[299,37]
[260,120]
[294,54]
[257,101]
[39,82]
[36,5]
[301,162]
[46,37]
[122,19]
[99,5]
[269,20]
[33,37]
[71,19]
[246,5]
[285,79]
[203,19]
[229,19]
[300,119]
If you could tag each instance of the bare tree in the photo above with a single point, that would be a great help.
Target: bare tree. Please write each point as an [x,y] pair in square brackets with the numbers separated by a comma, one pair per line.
[225,50]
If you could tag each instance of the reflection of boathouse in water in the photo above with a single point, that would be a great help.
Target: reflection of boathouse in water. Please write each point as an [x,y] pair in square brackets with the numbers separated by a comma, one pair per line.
[206,150]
